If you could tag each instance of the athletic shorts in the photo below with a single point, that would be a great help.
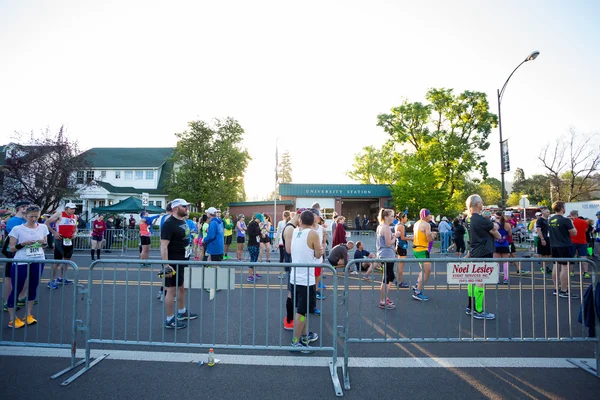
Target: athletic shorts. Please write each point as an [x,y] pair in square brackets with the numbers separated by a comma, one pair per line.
[177,279]
[562,252]
[502,250]
[544,250]
[97,238]
[228,239]
[460,246]
[318,271]
[421,254]
[197,240]
[301,298]
[265,240]
[513,249]
[241,239]
[401,252]
[216,257]
[536,240]
[580,250]
[389,276]
[61,252]
[145,240]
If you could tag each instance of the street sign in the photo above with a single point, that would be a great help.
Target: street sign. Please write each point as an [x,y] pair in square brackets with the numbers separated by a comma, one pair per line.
[472,272]
[505,157]
[524,202]
[145,200]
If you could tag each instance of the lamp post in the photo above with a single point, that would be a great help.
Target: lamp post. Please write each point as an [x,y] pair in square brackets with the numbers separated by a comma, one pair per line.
[500,92]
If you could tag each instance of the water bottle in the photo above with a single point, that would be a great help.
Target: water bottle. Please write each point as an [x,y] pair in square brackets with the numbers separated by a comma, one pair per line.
[211,357]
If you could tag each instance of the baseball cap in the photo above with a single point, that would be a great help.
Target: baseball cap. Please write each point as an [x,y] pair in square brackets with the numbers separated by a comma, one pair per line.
[537,214]
[21,204]
[507,213]
[259,217]
[317,213]
[179,202]
[70,205]
[597,212]
[211,211]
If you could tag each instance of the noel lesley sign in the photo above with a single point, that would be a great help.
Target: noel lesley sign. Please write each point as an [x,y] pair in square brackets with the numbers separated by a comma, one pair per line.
[474,272]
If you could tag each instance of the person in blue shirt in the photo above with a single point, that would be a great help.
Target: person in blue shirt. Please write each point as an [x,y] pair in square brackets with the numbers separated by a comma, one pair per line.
[215,236]
[17,219]
[359,254]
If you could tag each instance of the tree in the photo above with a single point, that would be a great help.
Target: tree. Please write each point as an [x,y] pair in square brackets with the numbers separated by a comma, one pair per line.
[373,166]
[210,163]
[513,199]
[41,168]
[572,165]
[285,168]
[490,191]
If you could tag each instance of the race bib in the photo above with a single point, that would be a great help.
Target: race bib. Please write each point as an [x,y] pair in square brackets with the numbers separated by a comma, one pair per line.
[258,238]
[34,251]
[67,242]
[188,251]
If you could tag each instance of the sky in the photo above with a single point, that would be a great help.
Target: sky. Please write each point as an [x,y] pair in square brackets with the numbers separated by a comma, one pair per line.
[310,75]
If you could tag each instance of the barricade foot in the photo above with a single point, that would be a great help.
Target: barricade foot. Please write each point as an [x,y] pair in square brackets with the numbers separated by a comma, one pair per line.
[335,379]
[84,370]
[64,371]
[346,377]
[585,365]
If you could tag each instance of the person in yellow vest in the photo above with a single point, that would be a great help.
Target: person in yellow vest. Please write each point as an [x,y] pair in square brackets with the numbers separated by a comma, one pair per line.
[423,236]
[228,225]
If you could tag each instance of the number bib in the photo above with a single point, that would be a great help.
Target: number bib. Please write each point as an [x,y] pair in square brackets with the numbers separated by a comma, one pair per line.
[34,251]
[188,251]
[67,242]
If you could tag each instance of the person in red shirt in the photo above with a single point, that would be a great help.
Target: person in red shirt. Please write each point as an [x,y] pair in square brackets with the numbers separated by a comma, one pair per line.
[64,236]
[511,219]
[339,236]
[99,227]
[580,240]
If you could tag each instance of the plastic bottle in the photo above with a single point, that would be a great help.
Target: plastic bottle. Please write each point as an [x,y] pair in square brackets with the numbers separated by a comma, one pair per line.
[211,357]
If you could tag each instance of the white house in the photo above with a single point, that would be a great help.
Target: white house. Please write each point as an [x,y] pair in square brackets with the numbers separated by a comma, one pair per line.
[117,173]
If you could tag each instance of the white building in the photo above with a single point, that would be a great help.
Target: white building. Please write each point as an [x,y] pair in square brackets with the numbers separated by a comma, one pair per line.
[117,173]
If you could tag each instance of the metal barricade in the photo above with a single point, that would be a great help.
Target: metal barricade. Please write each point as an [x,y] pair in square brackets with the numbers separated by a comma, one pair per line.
[83,240]
[525,308]
[55,327]
[234,314]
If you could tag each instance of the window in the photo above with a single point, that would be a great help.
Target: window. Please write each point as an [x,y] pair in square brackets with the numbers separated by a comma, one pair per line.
[89,176]
[101,203]
[117,174]
[102,174]
[139,175]
[79,179]
[151,202]
[150,175]
[128,175]
[158,203]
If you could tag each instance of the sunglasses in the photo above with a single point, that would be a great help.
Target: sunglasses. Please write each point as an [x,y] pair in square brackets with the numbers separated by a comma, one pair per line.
[33,208]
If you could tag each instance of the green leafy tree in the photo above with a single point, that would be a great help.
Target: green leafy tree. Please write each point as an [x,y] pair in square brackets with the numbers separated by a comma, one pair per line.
[374,166]
[490,191]
[285,168]
[210,163]
[513,199]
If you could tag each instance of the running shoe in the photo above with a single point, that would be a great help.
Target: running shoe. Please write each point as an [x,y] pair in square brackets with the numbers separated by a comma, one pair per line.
[565,295]
[301,347]
[554,292]
[174,323]
[468,310]
[288,326]
[320,295]
[505,282]
[16,323]
[52,285]
[316,312]
[257,276]
[366,278]
[5,307]
[523,272]
[403,285]
[419,296]
[311,337]
[586,275]
[354,273]
[250,279]
[281,276]
[386,306]
[162,297]
[22,302]
[548,271]
[226,257]
[186,315]
[481,315]
[159,294]
[321,286]
[30,320]
[61,281]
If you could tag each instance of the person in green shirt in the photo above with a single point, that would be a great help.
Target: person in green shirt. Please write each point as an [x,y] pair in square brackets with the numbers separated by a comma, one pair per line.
[228,225]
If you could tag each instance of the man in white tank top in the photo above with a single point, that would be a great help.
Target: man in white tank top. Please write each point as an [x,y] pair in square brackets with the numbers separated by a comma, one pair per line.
[306,249]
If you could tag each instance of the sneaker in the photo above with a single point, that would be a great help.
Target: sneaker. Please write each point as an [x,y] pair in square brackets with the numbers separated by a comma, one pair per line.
[311,337]
[16,323]
[542,269]
[388,301]
[301,347]
[586,275]
[30,320]
[554,292]
[321,286]
[403,285]
[565,295]
[523,272]
[468,310]
[250,279]
[419,296]
[316,312]
[5,307]
[226,257]
[386,306]
[174,323]
[414,288]
[481,315]
[52,285]
[257,276]
[61,281]
[162,297]
[320,295]
[281,276]
[186,315]
[505,282]
[354,273]
[548,271]
[366,278]
[21,302]
[159,294]
[288,326]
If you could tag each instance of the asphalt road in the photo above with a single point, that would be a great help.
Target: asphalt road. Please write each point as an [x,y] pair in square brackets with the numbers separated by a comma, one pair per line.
[124,308]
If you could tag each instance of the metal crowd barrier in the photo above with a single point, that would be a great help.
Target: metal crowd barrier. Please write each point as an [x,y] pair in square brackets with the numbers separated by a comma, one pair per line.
[55,328]
[442,319]
[123,310]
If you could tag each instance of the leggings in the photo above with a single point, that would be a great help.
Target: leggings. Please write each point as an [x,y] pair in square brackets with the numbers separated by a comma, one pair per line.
[281,254]
[35,272]
[253,250]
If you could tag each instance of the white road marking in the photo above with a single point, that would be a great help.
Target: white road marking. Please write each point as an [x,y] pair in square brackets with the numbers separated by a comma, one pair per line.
[301,361]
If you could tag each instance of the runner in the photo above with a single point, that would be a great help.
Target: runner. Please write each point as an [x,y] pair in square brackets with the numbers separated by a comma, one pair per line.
[65,233]
[16,220]
[214,239]
[423,239]
[228,233]
[510,218]
[99,227]
[162,292]
[543,247]
[459,238]
[286,216]
[240,228]
[560,230]
[401,247]
[502,246]
[27,241]
[174,238]
[288,230]
[482,233]
[265,240]
[253,233]
[306,249]
[385,249]
[579,241]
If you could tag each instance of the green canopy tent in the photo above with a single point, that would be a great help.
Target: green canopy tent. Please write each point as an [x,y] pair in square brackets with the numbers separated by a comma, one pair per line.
[127,206]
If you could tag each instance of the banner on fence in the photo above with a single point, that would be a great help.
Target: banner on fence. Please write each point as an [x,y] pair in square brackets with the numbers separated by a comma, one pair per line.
[472,272]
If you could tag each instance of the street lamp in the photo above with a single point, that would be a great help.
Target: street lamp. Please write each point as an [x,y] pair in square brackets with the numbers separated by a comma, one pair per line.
[530,57]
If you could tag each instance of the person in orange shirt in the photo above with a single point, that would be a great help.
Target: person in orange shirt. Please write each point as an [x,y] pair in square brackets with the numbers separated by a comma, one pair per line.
[580,240]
